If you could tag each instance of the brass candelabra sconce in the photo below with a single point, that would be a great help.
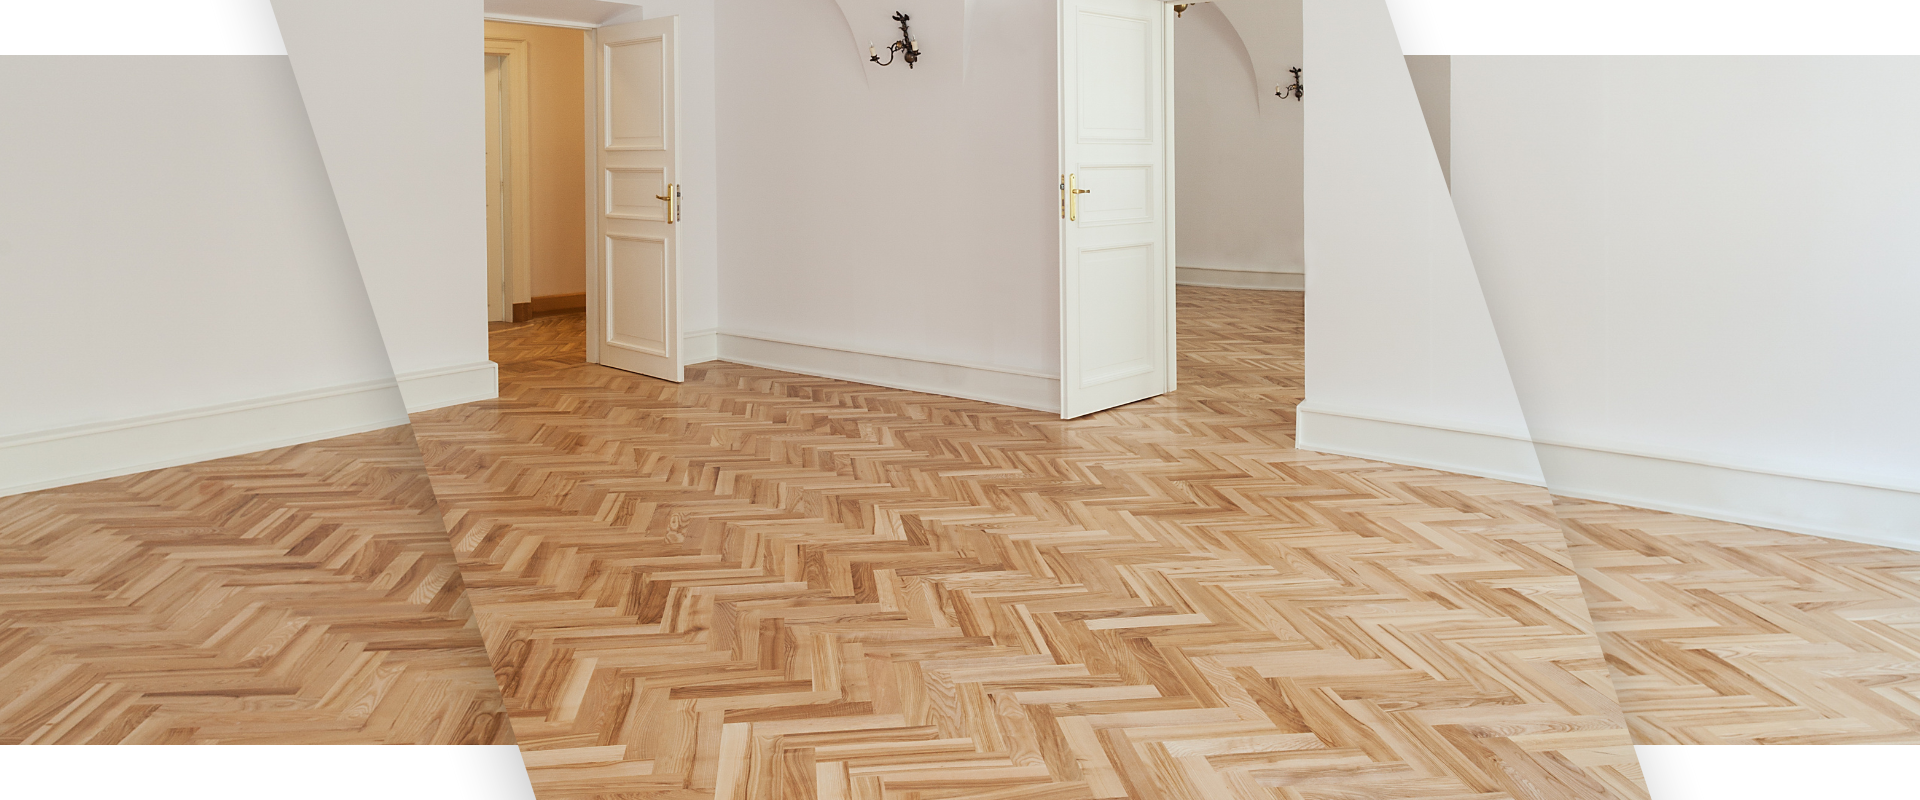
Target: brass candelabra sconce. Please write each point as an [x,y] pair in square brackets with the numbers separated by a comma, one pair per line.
[1294,91]
[1180,9]
[906,49]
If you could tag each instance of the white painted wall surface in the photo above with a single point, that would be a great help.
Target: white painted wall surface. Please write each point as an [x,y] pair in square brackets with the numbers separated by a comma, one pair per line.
[896,217]
[396,106]
[1433,84]
[1704,272]
[1239,157]
[1403,364]
[180,284]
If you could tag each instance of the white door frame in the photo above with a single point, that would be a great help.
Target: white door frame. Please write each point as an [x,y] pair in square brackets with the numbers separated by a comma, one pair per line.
[518,133]
[1166,199]
[591,66]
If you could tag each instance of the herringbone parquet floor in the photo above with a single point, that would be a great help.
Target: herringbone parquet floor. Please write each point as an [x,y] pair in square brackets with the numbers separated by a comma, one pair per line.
[538,345]
[764,585]
[1724,634]
[299,596]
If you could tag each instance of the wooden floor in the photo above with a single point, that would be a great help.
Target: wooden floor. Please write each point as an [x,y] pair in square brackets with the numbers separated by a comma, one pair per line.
[299,596]
[763,585]
[1723,634]
[538,345]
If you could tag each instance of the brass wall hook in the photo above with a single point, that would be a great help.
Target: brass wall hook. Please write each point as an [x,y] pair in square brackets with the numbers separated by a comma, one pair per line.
[906,48]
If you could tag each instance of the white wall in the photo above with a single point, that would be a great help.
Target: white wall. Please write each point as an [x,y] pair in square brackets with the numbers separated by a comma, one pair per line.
[1704,270]
[887,225]
[1402,361]
[1238,152]
[397,111]
[181,287]
[1433,84]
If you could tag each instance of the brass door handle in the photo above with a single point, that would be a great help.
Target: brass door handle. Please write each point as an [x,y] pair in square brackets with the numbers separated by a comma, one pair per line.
[672,199]
[1073,197]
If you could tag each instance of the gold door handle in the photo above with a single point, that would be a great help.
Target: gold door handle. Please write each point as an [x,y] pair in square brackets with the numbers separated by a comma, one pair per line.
[672,199]
[1073,192]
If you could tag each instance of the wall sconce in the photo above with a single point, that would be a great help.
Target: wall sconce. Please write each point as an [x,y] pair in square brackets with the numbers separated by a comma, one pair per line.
[1293,91]
[1180,9]
[906,47]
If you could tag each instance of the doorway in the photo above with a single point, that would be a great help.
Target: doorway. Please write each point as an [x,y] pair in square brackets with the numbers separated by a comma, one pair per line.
[1172,114]
[583,191]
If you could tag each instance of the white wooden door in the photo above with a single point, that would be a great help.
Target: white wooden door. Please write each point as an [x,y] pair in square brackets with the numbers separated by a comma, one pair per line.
[1116,237]
[633,299]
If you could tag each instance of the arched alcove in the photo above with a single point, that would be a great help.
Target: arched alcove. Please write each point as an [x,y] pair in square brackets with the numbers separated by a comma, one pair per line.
[1270,32]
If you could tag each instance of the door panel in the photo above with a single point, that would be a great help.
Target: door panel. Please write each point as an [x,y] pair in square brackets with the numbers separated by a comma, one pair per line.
[636,71]
[1116,67]
[1117,232]
[1119,290]
[1121,194]
[633,305]
[636,193]
[637,268]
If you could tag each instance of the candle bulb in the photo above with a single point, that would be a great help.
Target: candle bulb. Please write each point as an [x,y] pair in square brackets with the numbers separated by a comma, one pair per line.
[873,51]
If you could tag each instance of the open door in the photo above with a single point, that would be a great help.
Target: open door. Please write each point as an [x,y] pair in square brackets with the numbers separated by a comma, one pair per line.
[1116,235]
[633,297]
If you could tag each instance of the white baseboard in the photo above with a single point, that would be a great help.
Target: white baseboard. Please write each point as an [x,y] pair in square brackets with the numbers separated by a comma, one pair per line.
[1501,455]
[427,390]
[1835,508]
[700,347]
[1010,387]
[30,462]
[1845,508]
[1240,279]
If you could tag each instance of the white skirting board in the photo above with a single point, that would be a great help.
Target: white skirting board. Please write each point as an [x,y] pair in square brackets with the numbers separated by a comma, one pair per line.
[1777,772]
[1848,509]
[700,347]
[1240,279]
[282,772]
[1501,455]
[1017,388]
[34,461]
[426,390]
